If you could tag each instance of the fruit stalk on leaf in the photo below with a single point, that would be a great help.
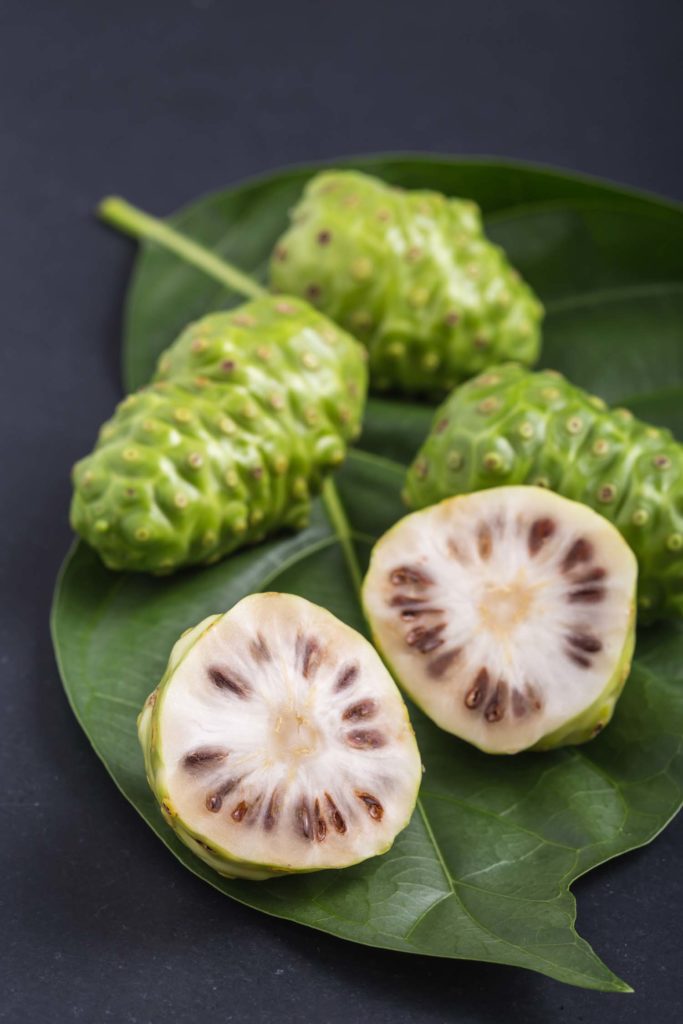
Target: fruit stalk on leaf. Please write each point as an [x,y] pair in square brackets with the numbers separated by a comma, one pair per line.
[412,275]
[507,615]
[247,412]
[277,742]
[510,426]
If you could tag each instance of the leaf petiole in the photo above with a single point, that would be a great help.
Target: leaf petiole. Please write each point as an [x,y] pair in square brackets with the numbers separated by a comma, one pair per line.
[128,218]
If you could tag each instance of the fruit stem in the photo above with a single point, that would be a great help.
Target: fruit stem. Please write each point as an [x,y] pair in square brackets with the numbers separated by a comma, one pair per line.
[127,218]
[340,523]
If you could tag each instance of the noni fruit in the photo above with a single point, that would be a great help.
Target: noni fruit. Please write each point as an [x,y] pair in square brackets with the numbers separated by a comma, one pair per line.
[412,275]
[247,412]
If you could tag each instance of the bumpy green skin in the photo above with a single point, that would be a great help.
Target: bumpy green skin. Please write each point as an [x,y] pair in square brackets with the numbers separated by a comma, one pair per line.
[246,414]
[412,275]
[510,426]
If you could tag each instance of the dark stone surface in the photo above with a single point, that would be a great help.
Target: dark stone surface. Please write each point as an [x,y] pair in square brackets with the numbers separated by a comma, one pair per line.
[161,101]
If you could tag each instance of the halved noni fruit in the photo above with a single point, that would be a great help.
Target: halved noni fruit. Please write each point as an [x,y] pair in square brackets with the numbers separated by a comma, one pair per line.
[277,741]
[508,615]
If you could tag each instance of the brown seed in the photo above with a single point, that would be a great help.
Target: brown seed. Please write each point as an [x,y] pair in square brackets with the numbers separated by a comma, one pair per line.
[214,801]
[204,757]
[591,576]
[346,677]
[578,659]
[374,807]
[319,823]
[410,614]
[303,819]
[588,595]
[409,574]
[495,709]
[585,642]
[439,665]
[519,704]
[580,551]
[238,812]
[337,820]
[533,697]
[365,739]
[272,812]
[426,640]
[229,682]
[539,532]
[360,710]
[309,654]
[476,694]
[405,600]
[484,542]
[259,649]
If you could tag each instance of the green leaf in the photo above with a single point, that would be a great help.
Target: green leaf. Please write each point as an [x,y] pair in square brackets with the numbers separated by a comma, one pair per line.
[484,869]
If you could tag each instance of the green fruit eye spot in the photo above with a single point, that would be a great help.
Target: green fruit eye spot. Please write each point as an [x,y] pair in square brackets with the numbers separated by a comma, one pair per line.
[180,500]
[199,345]
[361,319]
[195,460]
[419,297]
[526,430]
[674,541]
[661,461]
[142,534]
[396,350]
[574,425]
[452,318]
[601,447]
[361,269]
[550,394]
[607,493]
[244,320]
[454,460]
[101,525]
[421,468]
[488,405]
[640,517]
[309,361]
[625,415]
[541,481]
[430,361]
[284,307]
[131,454]
[493,462]
[182,415]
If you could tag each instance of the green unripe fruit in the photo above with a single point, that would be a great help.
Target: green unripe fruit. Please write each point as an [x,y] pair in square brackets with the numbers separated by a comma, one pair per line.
[246,414]
[412,275]
[545,431]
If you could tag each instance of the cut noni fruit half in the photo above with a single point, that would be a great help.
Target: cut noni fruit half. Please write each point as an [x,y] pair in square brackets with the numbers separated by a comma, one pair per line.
[508,615]
[277,741]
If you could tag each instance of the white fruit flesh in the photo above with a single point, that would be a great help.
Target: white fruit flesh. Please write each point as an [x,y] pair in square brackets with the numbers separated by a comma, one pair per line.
[282,741]
[505,613]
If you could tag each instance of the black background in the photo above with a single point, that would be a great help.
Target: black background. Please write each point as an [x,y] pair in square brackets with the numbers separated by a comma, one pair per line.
[161,101]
